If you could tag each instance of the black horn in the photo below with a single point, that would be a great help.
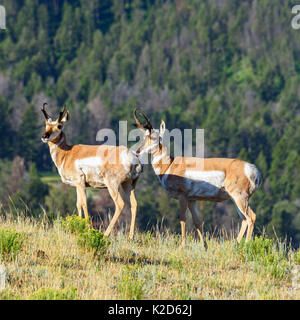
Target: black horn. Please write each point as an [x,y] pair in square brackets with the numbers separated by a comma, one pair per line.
[148,124]
[138,123]
[46,115]
[62,113]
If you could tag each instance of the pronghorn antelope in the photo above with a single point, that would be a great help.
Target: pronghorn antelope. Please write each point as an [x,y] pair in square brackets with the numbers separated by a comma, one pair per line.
[113,167]
[218,179]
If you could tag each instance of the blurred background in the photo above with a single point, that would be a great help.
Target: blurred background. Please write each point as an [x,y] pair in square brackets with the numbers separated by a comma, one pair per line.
[230,67]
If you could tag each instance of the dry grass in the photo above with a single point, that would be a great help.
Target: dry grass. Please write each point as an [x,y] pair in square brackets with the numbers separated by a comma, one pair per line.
[51,265]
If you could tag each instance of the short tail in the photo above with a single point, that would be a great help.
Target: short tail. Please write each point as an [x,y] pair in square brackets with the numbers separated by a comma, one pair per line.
[253,175]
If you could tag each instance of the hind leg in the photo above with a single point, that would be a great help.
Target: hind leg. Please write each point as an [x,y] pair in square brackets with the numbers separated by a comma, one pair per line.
[242,231]
[251,224]
[131,201]
[119,206]
[196,219]
[242,203]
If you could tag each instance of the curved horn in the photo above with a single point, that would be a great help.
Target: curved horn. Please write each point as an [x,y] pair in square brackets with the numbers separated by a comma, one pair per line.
[62,113]
[138,123]
[46,115]
[148,125]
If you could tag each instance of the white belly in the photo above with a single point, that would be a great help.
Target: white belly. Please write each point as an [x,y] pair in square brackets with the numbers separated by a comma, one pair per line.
[204,184]
[91,169]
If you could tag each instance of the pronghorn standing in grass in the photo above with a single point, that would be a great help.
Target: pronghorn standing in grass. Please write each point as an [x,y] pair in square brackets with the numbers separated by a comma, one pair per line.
[113,167]
[191,179]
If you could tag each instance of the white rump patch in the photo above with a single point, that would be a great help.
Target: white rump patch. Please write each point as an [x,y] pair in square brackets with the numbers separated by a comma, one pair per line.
[253,175]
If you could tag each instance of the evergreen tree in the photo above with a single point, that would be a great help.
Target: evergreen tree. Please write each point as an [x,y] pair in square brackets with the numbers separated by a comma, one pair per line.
[29,136]
[6,133]
[34,191]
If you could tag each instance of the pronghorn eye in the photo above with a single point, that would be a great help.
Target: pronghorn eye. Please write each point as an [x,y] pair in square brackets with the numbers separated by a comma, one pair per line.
[59,126]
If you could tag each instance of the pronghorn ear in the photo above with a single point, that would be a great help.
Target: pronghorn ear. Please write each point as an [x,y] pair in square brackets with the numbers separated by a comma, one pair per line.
[162,128]
[66,117]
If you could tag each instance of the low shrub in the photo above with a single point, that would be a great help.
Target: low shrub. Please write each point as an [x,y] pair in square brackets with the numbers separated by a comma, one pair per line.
[266,255]
[95,240]
[75,224]
[11,243]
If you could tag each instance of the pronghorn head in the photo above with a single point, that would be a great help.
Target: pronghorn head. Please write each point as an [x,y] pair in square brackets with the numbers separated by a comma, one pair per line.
[54,128]
[152,137]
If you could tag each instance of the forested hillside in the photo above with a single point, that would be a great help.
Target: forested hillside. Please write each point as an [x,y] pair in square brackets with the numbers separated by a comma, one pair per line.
[230,67]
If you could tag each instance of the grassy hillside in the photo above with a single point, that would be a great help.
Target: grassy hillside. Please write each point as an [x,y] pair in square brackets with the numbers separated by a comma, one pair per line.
[51,262]
[229,67]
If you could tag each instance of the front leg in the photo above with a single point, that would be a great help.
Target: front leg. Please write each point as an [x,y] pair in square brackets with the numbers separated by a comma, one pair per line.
[183,207]
[78,203]
[81,198]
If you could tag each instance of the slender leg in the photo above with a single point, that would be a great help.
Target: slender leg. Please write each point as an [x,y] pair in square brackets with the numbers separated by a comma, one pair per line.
[196,219]
[119,204]
[78,204]
[250,223]
[83,200]
[242,203]
[242,231]
[133,213]
[183,207]
[129,198]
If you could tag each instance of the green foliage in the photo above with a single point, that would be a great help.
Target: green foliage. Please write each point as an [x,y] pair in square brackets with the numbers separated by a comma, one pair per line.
[5,174]
[60,201]
[11,243]
[9,295]
[54,294]
[130,286]
[266,256]
[86,237]
[29,137]
[75,224]
[5,129]
[32,194]
[94,240]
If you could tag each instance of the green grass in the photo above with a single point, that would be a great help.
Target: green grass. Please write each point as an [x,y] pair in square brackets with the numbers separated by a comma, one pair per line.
[266,255]
[52,263]
[54,294]
[50,178]
[131,285]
